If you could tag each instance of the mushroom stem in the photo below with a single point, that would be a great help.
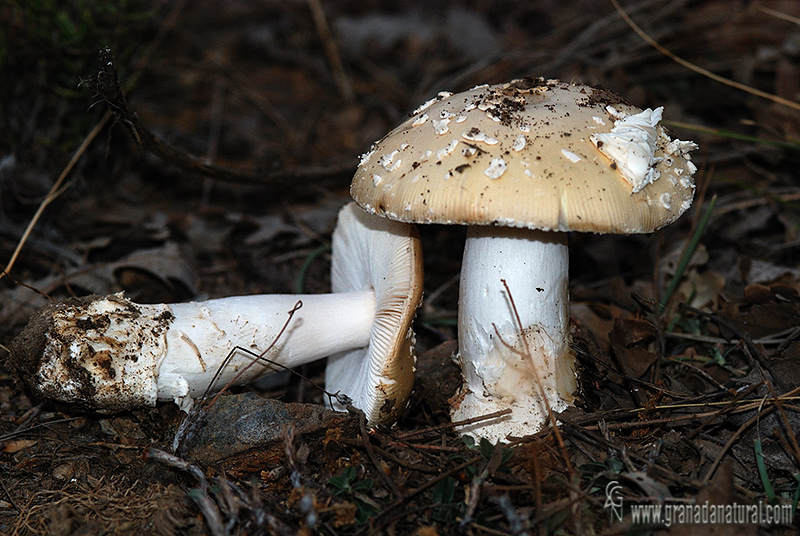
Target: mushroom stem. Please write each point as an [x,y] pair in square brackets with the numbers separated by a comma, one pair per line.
[203,335]
[109,354]
[513,329]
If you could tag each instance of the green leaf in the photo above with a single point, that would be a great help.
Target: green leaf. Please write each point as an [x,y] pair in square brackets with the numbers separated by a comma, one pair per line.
[448,513]
[194,493]
[364,512]
[364,485]
[342,482]
[687,254]
[592,468]
[445,490]
[469,442]
[486,448]
[615,465]
[470,471]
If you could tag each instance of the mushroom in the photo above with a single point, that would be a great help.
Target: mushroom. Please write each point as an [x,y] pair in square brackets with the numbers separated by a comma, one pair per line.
[522,163]
[109,354]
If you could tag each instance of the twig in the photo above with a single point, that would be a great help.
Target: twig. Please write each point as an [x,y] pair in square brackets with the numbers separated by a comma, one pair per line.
[673,360]
[629,379]
[597,439]
[650,422]
[782,339]
[107,86]
[417,446]
[725,409]
[413,493]
[10,497]
[550,414]
[17,433]
[515,524]
[780,15]
[793,336]
[56,189]
[350,442]
[709,417]
[331,50]
[362,424]
[453,424]
[778,401]
[199,495]
[746,342]
[733,439]
[215,131]
[29,416]
[475,486]
[306,502]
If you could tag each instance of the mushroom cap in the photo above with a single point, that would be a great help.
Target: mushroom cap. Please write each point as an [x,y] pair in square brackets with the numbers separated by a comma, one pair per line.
[371,253]
[532,153]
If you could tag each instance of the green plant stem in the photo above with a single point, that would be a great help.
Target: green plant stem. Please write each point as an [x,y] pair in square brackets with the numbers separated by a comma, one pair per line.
[300,283]
[790,144]
[687,255]
[762,471]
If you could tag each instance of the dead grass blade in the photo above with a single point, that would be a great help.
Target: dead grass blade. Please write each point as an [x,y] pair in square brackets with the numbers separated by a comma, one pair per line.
[59,187]
[738,433]
[779,15]
[56,190]
[697,69]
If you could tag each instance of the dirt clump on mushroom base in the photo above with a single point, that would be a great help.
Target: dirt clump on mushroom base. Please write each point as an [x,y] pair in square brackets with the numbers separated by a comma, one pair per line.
[27,353]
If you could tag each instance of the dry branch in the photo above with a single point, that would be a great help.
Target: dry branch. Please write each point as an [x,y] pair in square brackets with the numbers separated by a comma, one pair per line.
[106,85]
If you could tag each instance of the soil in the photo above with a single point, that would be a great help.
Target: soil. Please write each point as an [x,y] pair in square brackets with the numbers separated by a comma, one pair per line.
[207,154]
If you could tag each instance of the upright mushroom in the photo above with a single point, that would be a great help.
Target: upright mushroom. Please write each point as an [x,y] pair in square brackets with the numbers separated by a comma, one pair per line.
[522,163]
[110,354]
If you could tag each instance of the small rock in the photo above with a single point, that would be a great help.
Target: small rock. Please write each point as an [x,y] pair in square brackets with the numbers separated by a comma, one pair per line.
[244,433]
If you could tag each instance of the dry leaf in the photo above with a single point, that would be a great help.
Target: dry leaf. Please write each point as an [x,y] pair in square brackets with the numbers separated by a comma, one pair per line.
[17,445]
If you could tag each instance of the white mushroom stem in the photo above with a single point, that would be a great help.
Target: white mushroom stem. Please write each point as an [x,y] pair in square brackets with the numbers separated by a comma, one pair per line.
[501,368]
[109,353]
[203,334]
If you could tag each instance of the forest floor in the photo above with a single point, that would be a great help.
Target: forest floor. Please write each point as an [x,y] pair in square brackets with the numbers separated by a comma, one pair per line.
[691,403]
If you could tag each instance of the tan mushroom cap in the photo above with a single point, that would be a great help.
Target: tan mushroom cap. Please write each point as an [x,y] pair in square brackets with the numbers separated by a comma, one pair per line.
[525,154]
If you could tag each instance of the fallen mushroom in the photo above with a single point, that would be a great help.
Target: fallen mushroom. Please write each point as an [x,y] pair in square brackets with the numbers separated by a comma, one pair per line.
[109,354]
[522,163]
